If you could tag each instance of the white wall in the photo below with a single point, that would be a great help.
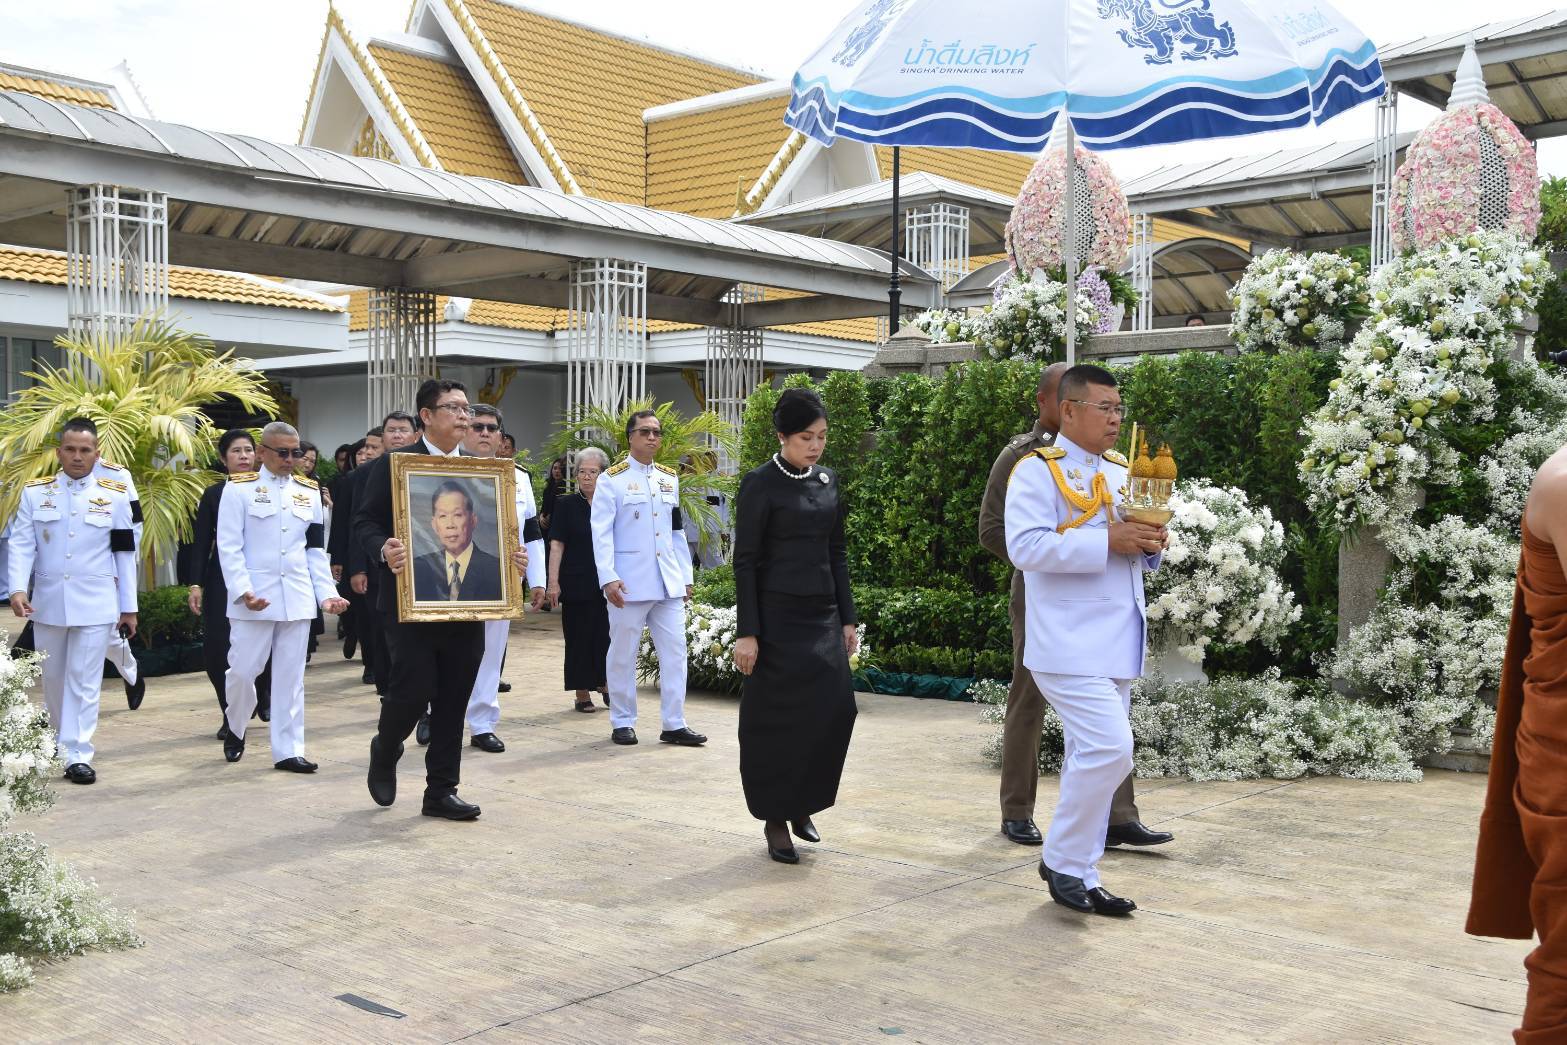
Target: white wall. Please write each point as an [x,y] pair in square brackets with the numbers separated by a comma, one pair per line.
[331,409]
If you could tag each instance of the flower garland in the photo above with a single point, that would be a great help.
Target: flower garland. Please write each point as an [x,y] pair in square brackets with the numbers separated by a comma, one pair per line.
[1035,233]
[1220,578]
[1287,300]
[1441,318]
[1439,190]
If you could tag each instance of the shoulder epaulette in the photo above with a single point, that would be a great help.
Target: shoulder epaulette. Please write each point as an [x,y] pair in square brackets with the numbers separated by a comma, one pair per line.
[1051,453]
[617,468]
[112,484]
[244,477]
[111,466]
[307,481]
[1115,457]
[45,481]
[665,468]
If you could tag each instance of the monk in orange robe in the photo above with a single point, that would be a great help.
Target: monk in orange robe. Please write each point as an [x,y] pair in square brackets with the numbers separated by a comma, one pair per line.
[1520,880]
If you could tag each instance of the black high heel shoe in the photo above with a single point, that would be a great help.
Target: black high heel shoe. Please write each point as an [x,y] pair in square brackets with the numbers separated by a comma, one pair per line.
[804,830]
[784,854]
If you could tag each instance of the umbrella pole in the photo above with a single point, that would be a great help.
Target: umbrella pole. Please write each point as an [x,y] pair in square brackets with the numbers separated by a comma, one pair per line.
[1069,255]
[894,289]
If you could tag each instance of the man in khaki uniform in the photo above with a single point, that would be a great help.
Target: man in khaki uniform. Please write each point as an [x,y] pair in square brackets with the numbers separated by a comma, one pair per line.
[1025,704]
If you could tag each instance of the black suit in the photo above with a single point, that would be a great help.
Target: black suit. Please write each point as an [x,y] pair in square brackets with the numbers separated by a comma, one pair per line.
[482,582]
[431,664]
[338,544]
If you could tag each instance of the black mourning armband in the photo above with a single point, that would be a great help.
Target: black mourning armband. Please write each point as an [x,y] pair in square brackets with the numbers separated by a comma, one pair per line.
[675,519]
[136,511]
[531,531]
[315,536]
[122,541]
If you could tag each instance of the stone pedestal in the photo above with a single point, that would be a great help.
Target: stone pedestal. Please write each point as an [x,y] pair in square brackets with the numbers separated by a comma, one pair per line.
[911,351]
[1174,667]
[1364,562]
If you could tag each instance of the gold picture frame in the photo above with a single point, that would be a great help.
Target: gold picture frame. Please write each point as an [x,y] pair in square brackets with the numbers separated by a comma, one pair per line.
[456,511]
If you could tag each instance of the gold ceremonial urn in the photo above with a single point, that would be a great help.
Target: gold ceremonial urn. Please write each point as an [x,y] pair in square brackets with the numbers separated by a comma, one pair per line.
[1150,485]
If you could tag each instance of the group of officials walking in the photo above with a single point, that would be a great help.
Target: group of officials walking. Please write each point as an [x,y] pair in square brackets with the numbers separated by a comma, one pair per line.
[267,568]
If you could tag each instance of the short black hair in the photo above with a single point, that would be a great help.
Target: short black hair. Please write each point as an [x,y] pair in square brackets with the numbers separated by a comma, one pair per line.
[433,389]
[399,415]
[453,486]
[486,410]
[307,446]
[80,424]
[229,438]
[631,422]
[378,431]
[797,410]
[1076,381]
[1199,317]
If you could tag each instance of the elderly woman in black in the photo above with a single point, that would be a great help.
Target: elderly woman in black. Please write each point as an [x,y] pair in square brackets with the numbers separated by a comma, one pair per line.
[796,629]
[208,594]
[574,583]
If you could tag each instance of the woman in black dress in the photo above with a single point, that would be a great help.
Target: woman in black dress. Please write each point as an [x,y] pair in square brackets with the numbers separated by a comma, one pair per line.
[795,629]
[208,594]
[574,584]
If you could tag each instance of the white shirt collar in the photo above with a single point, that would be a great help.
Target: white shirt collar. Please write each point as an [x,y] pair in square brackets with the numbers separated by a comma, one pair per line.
[436,451]
[1075,453]
[74,484]
[462,560]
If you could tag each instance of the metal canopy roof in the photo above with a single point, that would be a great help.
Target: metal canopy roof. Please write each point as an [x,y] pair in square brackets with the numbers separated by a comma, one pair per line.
[244,204]
[1525,63]
[860,214]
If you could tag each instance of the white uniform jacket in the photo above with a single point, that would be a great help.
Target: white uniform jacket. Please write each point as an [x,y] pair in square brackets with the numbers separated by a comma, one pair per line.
[1085,612]
[72,538]
[102,469]
[638,535]
[529,532]
[272,544]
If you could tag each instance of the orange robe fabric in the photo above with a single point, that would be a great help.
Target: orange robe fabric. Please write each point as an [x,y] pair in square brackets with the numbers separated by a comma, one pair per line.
[1520,880]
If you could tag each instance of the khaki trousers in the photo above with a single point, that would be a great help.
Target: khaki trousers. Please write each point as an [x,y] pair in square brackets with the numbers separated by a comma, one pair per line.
[1020,735]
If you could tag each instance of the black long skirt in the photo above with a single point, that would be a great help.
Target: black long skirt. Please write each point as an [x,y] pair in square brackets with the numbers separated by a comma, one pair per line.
[584,621]
[796,709]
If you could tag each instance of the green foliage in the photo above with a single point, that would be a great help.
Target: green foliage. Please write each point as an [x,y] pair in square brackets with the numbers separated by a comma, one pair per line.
[1552,235]
[164,617]
[934,617]
[758,439]
[715,587]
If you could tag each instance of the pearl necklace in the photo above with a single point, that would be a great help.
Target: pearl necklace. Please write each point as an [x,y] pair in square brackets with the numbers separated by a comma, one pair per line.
[785,469]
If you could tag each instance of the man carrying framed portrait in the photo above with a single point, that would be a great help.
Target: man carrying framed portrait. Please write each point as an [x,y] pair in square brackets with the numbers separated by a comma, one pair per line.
[449,560]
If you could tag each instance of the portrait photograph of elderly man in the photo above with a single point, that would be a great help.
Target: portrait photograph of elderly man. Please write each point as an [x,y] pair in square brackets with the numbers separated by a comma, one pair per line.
[457,569]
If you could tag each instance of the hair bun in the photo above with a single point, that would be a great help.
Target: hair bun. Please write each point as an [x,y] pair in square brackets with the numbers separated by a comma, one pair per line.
[797,410]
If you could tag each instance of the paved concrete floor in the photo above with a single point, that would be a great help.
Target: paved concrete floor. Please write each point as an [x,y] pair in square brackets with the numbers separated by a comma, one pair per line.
[612,894]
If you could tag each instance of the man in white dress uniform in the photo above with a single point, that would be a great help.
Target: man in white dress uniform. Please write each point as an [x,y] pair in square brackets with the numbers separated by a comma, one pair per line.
[72,546]
[119,652]
[1085,621]
[272,549]
[644,567]
[484,705]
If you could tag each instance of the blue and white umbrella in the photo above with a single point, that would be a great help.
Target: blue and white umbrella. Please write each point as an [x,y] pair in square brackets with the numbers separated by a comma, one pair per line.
[998,74]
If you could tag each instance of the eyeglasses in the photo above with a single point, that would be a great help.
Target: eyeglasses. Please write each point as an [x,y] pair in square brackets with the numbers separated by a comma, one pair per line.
[1104,408]
[651,433]
[484,428]
[296,453]
[459,409]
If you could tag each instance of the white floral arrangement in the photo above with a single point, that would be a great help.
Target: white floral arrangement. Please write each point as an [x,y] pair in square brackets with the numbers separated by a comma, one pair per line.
[1287,300]
[1441,318]
[1220,581]
[943,325]
[46,911]
[1027,320]
[1536,431]
[710,650]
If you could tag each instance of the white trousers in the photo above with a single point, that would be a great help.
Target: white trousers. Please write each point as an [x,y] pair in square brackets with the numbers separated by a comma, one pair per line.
[251,642]
[484,703]
[119,654]
[1095,714]
[72,676]
[666,620]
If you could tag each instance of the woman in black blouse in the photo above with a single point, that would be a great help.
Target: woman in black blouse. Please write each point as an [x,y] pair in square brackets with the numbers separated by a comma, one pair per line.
[796,629]
[574,583]
[208,594]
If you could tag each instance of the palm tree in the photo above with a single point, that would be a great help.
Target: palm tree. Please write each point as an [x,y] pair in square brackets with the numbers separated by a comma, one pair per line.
[145,391]
[690,446]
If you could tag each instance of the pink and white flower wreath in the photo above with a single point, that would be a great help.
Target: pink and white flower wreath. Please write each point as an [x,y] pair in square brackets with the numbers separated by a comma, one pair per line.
[1437,191]
[1037,227]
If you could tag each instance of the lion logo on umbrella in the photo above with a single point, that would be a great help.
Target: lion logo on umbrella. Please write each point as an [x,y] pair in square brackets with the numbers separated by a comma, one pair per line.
[864,36]
[1189,24]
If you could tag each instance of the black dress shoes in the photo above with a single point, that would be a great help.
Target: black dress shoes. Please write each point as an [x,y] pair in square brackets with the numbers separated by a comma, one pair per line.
[1023,832]
[422,730]
[1134,833]
[781,850]
[223,730]
[503,687]
[804,830]
[383,774]
[783,856]
[450,807]
[488,742]
[233,747]
[80,773]
[367,677]
[1066,890]
[296,765]
[1106,902]
[685,736]
[350,644]
[624,735]
[135,691]
[264,712]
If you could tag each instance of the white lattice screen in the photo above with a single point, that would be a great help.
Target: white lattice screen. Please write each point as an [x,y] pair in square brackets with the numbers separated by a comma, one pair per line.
[117,258]
[402,348]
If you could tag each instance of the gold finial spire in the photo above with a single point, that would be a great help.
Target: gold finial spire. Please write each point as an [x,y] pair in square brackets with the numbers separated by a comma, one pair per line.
[1164,466]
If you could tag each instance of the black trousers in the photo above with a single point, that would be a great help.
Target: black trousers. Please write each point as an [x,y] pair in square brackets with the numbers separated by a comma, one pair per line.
[215,652]
[372,638]
[432,665]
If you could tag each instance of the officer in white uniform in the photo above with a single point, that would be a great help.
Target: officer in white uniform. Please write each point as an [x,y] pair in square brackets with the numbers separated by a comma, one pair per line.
[72,542]
[484,705]
[119,652]
[1085,622]
[644,567]
[272,549]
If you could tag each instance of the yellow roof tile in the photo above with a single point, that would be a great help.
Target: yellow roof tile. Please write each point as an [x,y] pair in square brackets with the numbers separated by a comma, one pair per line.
[450,112]
[54,91]
[26,265]
[696,163]
[516,317]
[589,89]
